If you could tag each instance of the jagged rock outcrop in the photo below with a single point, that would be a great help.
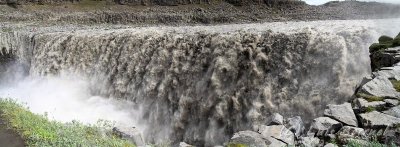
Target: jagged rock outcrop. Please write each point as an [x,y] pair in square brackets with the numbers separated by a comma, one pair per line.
[343,113]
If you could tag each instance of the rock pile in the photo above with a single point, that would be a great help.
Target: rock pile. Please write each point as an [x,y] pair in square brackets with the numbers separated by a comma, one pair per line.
[373,116]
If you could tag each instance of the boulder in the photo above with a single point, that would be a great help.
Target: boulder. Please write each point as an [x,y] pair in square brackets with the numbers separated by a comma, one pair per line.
[391,102]
[380,87]
[343,113]
[131,134]
[309,141]
[279,132]
[394,111]
[249,138]
[389,72]
[323,126]
[376,119]
[347,133]
[276,119]
[296,125]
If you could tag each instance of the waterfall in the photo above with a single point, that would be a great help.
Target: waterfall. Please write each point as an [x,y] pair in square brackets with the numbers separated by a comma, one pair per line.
[200,84]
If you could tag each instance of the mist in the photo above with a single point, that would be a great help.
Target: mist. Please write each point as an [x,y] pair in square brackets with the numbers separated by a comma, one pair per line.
[68,97]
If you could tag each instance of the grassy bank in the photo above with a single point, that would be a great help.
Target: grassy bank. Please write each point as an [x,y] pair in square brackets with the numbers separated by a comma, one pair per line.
[38,130]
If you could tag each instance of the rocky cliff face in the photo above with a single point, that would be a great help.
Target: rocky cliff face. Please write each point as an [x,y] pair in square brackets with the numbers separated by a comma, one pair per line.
[202,84]
[158,2]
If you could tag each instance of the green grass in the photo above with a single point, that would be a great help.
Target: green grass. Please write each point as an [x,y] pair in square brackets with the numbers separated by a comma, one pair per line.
[355,143]
[396,85]
[370,98]
[370,109]
[236,145]
[39,131]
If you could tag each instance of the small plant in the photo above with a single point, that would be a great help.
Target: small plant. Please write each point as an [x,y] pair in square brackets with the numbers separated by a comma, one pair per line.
[373,143]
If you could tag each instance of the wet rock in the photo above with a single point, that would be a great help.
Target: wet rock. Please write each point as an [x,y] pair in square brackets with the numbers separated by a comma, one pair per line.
[249,138]
[381,87]
[276,119]
[395,111]
[376,119]
[296,125]
[184,144]
[343,113]
[347,133]
[279,132]
[309,141]
[323,126]
[391,102]
[131,134]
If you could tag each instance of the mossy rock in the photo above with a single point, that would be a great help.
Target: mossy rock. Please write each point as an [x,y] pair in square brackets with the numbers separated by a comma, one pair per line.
[378,46]
[385,39]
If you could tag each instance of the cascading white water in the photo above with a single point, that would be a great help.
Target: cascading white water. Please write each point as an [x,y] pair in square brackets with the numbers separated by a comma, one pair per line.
[197,84]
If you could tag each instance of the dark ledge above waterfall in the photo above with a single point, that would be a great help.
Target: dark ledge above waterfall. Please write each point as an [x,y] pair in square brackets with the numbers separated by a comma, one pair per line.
[178,12]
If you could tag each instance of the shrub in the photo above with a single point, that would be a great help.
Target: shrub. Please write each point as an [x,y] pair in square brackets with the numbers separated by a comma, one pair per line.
[385,39]
[38,130]
[396,41]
